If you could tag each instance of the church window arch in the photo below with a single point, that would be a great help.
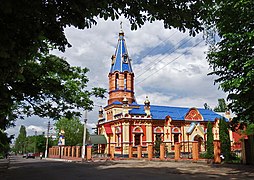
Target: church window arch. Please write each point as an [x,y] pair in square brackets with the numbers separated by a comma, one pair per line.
[137,135]
[137,129]
[158,130]
[176,132]
[125,81]
[118,136]
[118,130]
[117,81]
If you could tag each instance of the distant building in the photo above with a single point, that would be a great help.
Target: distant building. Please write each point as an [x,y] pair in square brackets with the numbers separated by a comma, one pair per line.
[124,122]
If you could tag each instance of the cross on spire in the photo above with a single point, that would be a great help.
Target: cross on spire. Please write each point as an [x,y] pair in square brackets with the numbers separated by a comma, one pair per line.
[121,26]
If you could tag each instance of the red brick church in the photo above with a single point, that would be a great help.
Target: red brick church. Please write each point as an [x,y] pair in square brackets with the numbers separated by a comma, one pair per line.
[124,122]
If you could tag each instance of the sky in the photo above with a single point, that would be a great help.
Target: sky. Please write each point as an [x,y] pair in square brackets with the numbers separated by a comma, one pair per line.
[170,67]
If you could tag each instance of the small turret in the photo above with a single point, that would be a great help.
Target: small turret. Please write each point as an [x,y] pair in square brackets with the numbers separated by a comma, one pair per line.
[147,106]
[100,113]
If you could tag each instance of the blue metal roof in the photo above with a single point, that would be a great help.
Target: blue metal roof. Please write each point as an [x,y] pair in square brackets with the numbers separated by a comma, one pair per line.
[176,113]
[122,61]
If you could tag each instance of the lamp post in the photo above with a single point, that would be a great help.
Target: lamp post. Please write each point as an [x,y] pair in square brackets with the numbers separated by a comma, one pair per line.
[47,141]
[84,138]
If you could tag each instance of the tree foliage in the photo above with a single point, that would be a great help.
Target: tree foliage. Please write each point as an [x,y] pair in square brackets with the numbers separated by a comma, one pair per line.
[225,139]
[232,57]
[73,130]
[4,143]
[21,141]
[209,142]
[157,144]
[206,106]
[222,106]
[25,144]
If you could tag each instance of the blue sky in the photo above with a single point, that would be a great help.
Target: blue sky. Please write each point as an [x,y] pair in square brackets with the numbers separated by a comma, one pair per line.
[170,67]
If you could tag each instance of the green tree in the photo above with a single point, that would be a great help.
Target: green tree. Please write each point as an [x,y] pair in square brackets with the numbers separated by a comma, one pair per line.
[40,143]
[4,143]
[232,57]
[222,106]
[206,106]
[157,144]
[31,144]
[48,87]
[21,141]
[73,130]
[210,148]
[225,140]
[35,143]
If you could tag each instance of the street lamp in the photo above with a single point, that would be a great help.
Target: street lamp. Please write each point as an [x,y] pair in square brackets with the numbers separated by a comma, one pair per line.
[84,138]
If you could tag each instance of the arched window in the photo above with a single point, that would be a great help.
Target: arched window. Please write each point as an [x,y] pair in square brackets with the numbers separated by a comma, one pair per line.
[117,81]
[176,132]
[137,132]
[132,82]
[118,136]
[125,81]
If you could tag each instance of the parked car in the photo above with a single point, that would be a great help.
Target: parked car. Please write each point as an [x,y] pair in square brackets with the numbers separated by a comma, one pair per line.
[24,155]
[30,155]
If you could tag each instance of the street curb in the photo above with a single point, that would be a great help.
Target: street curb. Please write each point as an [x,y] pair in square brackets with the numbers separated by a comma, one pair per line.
[63,160]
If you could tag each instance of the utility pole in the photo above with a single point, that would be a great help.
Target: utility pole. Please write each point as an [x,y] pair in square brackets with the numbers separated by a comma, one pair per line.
[84,138]
[35,141]
[47,141]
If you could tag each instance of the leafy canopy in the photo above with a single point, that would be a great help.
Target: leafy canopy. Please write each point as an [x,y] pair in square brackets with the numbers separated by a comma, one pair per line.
[210,147]
[21,141]
[222,106]
[232,58]
[225,139]
[73,130]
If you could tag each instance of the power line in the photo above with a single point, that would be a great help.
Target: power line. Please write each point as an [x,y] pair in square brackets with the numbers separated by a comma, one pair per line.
[154,63]
[168,63]
[156,46]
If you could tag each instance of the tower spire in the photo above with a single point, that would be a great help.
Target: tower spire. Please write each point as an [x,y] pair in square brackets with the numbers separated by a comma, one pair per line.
[120,60]
[121,76]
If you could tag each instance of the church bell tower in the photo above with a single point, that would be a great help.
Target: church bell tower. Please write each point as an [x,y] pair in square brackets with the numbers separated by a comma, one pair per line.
[121,76]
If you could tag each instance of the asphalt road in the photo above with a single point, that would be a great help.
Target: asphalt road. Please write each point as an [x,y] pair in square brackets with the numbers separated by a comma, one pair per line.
[36,169]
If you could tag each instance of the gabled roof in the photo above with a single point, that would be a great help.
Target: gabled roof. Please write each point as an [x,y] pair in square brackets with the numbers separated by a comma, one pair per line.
[121,60]
[176,113]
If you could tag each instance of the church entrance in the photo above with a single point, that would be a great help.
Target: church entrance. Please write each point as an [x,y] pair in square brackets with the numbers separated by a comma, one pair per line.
[199,139]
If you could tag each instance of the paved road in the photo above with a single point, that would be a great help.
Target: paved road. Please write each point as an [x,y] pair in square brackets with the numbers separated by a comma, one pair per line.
[36,169]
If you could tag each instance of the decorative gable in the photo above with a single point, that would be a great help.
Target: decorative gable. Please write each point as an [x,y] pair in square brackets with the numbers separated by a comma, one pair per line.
[193,115]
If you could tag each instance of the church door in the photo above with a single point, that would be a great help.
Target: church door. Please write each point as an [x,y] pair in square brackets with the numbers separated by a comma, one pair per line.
[199,139]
